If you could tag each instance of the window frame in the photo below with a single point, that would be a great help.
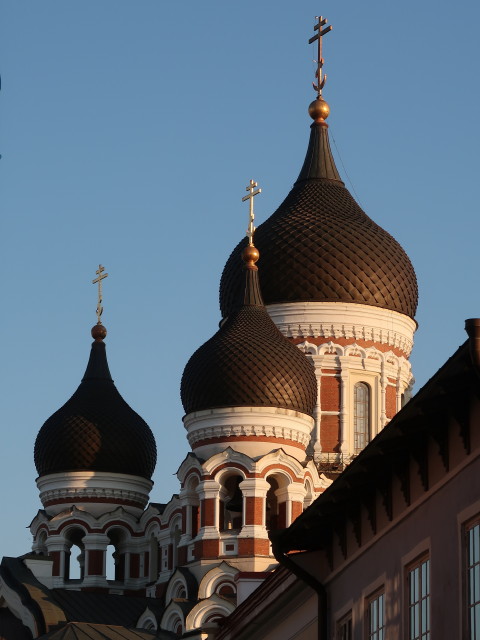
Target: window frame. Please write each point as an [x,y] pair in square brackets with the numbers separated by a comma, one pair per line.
[467,527]
[417,564]
[341,622]
[369,600]
[367,434]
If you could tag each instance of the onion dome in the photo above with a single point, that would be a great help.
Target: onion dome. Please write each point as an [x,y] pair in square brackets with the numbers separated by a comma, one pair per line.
[96,430]
[320,246]
[248,362]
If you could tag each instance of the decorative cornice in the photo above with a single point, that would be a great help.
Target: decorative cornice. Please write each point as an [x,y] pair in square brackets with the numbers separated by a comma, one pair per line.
[263,432]
[59,489]
[340,320]
[72,496]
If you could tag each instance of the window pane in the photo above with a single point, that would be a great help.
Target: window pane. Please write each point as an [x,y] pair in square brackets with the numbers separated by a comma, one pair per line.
[419,601]
[361,416]
[472,574]
[376,615]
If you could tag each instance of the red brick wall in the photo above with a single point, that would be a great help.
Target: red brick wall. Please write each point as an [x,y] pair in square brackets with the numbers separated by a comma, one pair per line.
[254,510]
[208,512]
[134,565]
[95,562]
[195,520]
[56,555]
[330,393]
[391,402]
[184,519]
[297,508]
[182,555]
[330,433]
[253,546]
[207,549]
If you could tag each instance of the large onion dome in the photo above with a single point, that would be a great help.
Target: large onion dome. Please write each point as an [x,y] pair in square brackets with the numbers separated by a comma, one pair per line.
[248,362]
[319,246]
[96,430]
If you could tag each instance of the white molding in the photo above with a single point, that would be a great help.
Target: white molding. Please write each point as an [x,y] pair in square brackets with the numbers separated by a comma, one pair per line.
[344,320]
[200,611]
[209,582]
[259,422]
[76,486]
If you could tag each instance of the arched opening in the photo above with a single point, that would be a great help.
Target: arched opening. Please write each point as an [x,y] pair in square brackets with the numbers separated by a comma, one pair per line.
[115,559]
[194,507]
[75,557]
[307,501]
[231,507]
[41,546]
[180,592]
[178,628]
[227,590]
[361,416]
[213,619]
[153,559]
[271,505]
[177,534]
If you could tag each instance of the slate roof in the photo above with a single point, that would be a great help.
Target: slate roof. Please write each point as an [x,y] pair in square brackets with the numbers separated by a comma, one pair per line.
[87,631]
[319,245]
[249,363]
[71,613]
[104,608]
[96,430]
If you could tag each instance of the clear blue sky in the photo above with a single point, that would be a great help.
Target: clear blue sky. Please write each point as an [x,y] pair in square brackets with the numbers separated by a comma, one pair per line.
[128,133]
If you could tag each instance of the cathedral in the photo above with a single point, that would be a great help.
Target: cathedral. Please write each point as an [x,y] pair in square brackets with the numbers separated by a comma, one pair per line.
[301,397]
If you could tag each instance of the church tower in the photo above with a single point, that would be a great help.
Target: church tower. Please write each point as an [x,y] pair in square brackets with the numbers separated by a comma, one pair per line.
[342,289]
[95,457]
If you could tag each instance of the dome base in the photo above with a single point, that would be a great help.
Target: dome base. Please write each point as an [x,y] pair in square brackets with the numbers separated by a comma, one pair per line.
[96,491]
[254,431]
[344,320]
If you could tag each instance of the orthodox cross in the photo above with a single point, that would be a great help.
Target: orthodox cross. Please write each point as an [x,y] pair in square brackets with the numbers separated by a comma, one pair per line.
[98,280]
[252,193]
[318,37]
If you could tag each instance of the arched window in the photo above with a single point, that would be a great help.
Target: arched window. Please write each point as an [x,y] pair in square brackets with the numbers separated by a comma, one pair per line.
[361,416]
[231,511]
[271,506]
[75,559]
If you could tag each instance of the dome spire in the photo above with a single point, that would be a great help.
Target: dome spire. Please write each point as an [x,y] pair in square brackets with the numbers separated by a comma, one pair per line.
[250,254]
[321,79]
[319,109]
[98,331]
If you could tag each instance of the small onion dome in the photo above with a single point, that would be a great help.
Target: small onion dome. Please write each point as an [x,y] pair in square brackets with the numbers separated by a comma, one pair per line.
[319,246]
[248,363]
[96,430]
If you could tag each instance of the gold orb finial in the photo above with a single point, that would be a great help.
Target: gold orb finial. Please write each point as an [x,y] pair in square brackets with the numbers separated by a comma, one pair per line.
[250,256]
[99,332]
[319,110]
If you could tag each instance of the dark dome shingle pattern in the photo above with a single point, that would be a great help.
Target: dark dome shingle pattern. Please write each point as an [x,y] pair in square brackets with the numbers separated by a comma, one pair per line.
[248,363]
[319,245]
[96,430]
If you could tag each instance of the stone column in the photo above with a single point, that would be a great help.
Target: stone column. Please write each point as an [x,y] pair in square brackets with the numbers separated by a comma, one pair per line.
[59,550]
[293,495]
[317,412]
[95,545]
[383,396]
[209,534]
[346,446]
[253,538]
